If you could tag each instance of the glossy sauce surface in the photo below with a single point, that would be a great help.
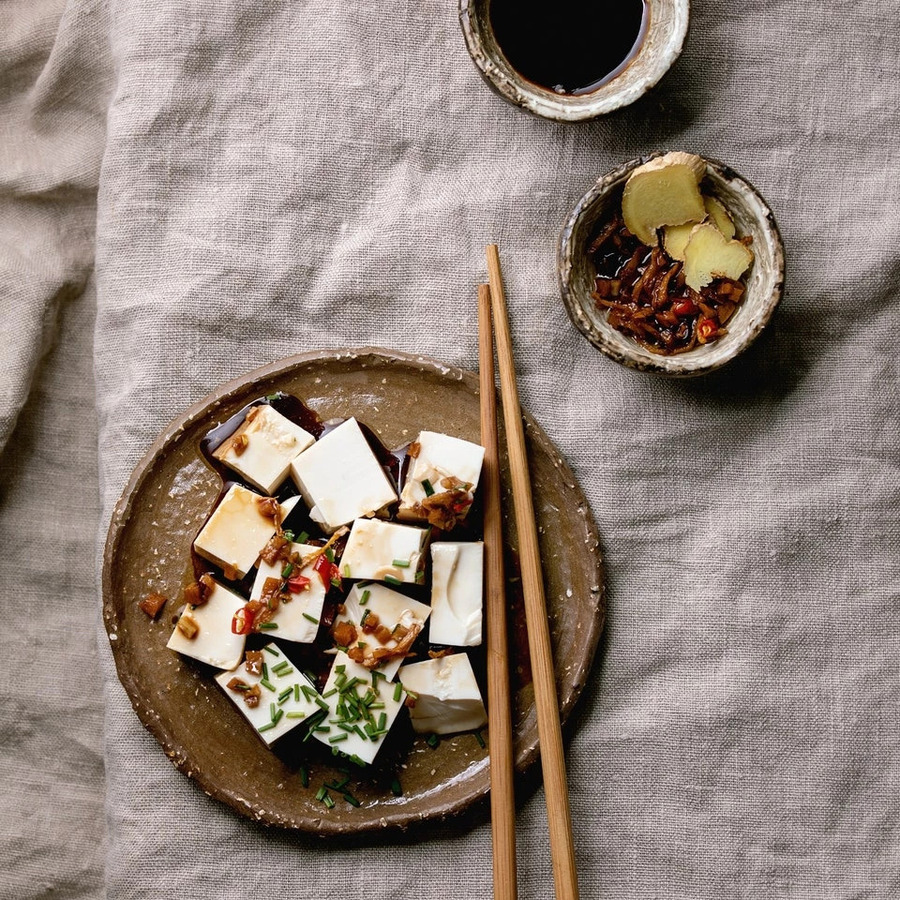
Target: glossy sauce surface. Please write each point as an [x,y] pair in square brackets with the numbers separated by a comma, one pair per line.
[569,46]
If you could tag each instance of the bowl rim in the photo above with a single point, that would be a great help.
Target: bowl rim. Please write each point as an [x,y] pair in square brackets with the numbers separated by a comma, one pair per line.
[613,95]
[682,365]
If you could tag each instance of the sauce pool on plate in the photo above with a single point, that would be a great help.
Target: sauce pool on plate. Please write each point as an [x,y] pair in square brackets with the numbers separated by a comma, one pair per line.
[569,46]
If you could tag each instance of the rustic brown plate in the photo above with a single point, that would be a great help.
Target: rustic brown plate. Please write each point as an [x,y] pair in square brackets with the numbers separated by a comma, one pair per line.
[168,498]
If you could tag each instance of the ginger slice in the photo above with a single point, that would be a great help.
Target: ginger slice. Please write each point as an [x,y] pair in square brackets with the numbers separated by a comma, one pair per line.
[661,193]
[709,254]
[675,238]
[719,216]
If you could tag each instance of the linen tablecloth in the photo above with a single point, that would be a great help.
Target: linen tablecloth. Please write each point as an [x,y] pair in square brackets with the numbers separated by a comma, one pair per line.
[190,190]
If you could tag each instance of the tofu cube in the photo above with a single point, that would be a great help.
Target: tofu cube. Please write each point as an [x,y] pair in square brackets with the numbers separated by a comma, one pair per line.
[213,641]
[384,551]
[299,619]
[286,699]
[340,478]
[457,593]
[237,531]
[447,696]
[369,605]
[441,462]
[358,728]
[263,447]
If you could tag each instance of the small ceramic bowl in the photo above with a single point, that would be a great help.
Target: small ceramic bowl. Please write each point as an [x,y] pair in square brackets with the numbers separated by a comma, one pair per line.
[666,28]
[765,279]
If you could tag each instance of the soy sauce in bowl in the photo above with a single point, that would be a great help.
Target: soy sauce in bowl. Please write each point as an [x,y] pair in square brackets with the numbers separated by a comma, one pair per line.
[570,47]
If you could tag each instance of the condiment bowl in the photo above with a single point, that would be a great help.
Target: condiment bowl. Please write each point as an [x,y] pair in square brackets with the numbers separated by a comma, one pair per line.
[666,28]
[764,280]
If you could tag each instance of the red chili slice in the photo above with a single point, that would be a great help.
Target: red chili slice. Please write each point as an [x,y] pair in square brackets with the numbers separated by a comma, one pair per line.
[297,583]
[328,572]
[242,623]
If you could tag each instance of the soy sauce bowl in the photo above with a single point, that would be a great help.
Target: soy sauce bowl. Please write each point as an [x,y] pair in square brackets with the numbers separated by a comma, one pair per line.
[667,23]
[764,280]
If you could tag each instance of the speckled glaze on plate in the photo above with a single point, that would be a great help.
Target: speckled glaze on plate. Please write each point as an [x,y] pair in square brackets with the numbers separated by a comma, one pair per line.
[166,501]
[765,278]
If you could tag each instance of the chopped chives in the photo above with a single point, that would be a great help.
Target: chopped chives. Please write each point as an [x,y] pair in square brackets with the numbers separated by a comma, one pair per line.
[275,396]
[360,732]
[320,794]
[265,672]
[365,597]
[346,571]
[308,693]
[280,667]
[272,711]
[330,693]
[296,714]
[286,571]
[396,790]
[304,775]
[411,694]
[337,738]
[285,694]
[288,535]
[401,563]
[427,487]
[297,693]
[322,728]
[268,626]
[376,706]
[344,727]
[351,799]
[329,803]
[354,758]
[480,739]
[271,650]
[277,717]
[268,685]
[382,721]
[432,740]
[310,618]
[320,702]
[329,554]
[398,692]
[266,727]
[303,537]
[390,579]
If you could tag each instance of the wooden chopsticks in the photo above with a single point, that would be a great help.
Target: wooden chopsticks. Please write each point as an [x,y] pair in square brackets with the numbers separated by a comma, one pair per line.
[562,849]
[503,801]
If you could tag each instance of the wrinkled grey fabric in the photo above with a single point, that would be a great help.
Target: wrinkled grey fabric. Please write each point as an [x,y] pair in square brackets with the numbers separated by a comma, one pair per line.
[289,176]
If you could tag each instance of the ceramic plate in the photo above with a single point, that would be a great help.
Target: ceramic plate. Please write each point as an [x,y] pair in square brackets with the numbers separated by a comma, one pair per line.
[170,495]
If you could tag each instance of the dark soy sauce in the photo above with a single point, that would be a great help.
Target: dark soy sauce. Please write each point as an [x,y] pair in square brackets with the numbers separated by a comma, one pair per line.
[569,46]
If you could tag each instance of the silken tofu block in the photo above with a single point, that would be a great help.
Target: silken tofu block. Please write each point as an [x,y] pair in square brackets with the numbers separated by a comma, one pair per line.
[340,478]
[358,734]
[213,642]
[297,620]
[457,593]
[237,531]
[447,696]
[370,603]
[384,551]
[286,696]
[439,457]
[263,447]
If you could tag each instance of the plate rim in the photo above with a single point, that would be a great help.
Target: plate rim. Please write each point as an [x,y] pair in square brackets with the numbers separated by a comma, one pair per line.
[179,755]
